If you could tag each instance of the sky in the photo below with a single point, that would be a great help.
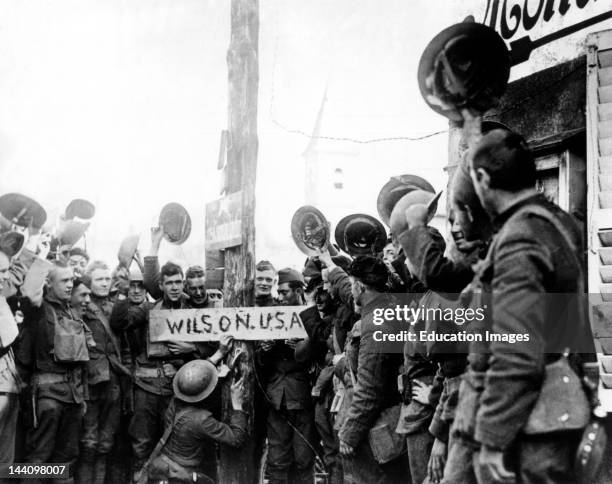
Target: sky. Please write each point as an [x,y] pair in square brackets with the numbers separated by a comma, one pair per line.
[123,103]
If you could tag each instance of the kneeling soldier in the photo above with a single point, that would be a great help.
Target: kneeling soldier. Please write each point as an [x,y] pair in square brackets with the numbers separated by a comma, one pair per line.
[190,429]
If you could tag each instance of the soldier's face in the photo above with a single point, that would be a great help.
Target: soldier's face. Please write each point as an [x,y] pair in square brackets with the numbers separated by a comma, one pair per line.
[80,299]
[323,300]
[78,264]
[357,291]
[288,296]
[264,280]
[482,186]
[196,289]
[136,292]
[4,270]
[389,253]
[61,281]
[101,282]
[172,287]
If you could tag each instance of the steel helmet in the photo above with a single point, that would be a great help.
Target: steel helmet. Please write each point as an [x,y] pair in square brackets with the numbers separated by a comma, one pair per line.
[398,216]
[195,381]
[175,222]
[396,188]
[466,66]
[310,230]
[360,234]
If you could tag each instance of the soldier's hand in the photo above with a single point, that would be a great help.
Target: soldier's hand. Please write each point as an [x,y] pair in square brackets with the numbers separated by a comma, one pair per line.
[421,391]
[491,465]
[157,234]
[292,343]
[416,215]
[237,392]
[346,449]
[325,258]
[267,345]
[169,370]
[180,347]
[225,343]
[437,461]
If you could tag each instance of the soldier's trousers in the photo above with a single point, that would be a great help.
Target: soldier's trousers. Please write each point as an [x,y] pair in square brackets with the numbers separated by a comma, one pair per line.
[329,440]
[419,447]
[147,425]
[56,439]
[290,455]
[99,428]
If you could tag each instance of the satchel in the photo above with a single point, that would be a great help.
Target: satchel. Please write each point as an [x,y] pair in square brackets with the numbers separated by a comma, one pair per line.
[562,404]
[69,340]
[385,442]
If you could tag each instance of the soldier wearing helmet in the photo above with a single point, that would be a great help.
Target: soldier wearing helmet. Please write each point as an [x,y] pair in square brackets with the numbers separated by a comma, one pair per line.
[191,430]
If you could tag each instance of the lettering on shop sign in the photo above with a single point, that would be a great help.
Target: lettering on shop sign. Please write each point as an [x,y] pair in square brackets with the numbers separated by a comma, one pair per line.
[266,323]
[528,24]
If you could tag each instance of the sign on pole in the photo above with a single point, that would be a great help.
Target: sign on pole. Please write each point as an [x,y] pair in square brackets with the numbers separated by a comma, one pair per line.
[224,222]
[261,323]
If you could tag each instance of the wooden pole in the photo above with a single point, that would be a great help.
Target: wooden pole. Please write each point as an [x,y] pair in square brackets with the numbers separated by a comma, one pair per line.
[238,465]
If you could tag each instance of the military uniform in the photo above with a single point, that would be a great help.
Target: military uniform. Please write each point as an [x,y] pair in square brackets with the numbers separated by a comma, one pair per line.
[290,455]
[59,390]
[152,376]
[191,444]
[529,258]
[102,418]
[375,391]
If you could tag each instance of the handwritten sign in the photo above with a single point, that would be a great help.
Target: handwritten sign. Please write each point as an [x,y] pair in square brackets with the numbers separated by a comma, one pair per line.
[267,323]
[224,222]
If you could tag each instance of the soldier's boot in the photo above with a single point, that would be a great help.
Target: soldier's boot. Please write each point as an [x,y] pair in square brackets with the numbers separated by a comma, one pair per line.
[99,470]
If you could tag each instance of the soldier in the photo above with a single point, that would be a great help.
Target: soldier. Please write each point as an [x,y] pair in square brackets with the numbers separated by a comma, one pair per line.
[153,372]
[190,429]
[375,376]
[78,260]
[265,277]
[535,252]
[104,370]
[10,382]
[59,384]
[290,422]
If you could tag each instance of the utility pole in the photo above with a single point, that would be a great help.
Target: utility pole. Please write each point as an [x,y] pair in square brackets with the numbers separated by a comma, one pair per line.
[238,465]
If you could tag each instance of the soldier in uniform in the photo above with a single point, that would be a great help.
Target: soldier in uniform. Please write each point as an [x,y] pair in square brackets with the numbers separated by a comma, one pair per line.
[375,376]
[535,252]
[191,431]
[104,371]
[153,373]
[290,422]
[59,380]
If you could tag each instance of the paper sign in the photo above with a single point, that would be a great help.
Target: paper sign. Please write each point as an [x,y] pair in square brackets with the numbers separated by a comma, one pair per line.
[224,222]
[266,323]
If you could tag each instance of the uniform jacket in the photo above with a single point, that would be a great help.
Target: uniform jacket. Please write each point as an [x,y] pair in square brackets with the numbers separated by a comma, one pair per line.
[528,258]
[287,369]
[134,320]
[424,247]
[195,432]
[376,378]
[37,352]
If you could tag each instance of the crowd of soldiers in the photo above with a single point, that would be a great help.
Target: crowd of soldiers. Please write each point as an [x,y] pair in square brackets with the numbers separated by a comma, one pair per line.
[82,384]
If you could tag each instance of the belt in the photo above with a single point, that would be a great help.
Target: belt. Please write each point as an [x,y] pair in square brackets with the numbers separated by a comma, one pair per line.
[51,378]
[141,372]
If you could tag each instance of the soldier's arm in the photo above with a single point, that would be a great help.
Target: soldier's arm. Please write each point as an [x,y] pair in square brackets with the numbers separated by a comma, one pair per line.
[424,247]
[17,272]
[126,316]
[233,434]
[516,371]
[368,397]
[151,276]
[342,284]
